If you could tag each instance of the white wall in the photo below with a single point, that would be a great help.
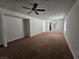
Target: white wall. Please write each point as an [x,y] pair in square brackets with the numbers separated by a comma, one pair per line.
[12,25]
[47,23]
[36,26]
[60,25]
[72,29]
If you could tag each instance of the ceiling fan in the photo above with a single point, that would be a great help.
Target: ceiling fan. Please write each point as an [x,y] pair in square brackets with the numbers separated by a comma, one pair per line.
[34,8]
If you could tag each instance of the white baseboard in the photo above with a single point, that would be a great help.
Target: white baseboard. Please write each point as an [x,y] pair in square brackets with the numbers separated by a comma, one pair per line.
[66,38]
[15,39]
[5,44]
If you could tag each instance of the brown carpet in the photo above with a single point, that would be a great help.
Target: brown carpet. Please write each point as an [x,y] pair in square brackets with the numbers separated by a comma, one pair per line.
[42,46]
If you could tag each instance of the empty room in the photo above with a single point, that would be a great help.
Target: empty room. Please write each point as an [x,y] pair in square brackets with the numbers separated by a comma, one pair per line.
[39,29]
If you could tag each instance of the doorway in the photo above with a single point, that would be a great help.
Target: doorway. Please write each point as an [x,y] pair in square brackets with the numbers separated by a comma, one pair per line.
[54,26]
[26,27]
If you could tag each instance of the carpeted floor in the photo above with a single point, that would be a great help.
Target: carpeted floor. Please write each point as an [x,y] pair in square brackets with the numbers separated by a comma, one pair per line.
[47,45]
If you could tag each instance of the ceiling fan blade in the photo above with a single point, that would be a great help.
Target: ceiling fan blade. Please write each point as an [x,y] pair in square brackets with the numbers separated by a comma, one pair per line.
[29,12]
[35,6]
[30,3]
[27,8]
[36,12]
[40,9]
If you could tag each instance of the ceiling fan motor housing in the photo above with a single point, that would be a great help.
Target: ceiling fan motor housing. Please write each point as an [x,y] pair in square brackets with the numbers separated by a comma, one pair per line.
[35,6]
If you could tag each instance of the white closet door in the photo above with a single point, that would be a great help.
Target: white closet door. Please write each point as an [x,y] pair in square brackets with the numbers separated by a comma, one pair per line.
[13,27]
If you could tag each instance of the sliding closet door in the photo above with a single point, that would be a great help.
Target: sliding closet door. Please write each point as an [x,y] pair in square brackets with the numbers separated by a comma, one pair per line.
[13,28]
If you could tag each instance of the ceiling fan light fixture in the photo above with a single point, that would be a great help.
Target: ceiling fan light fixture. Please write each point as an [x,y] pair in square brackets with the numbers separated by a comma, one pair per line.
[34,8]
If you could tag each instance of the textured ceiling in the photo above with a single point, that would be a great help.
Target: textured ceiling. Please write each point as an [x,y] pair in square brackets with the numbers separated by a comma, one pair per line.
[58,8]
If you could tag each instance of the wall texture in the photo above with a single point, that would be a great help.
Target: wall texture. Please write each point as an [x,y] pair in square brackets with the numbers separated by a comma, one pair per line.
[72,29]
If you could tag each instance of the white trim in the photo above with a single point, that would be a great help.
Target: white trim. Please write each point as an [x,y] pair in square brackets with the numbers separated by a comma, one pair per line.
[43,26]
[13,16]
[4,42]
[15,39]
[66,38]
